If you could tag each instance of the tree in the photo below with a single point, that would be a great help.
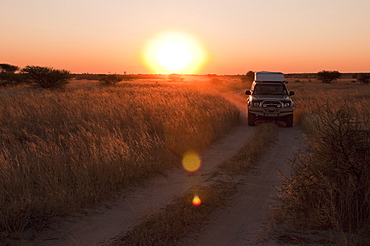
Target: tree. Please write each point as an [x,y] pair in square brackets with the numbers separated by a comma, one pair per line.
[328,76]
[8,76]
[46,77]
[249,77]
[7,68]
[364,78]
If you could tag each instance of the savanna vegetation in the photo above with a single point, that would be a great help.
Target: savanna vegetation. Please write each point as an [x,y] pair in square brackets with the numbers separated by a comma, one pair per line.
[63,150]
[67,149]
[330,184]
[328,76]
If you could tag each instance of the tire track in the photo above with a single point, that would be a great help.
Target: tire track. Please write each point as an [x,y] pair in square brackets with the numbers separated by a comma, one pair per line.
[245,219]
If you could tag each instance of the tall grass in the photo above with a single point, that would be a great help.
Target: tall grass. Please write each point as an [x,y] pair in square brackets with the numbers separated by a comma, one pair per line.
[330,185]
[65,150]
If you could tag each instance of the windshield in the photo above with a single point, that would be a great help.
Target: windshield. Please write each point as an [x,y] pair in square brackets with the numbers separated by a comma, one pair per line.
[270,89]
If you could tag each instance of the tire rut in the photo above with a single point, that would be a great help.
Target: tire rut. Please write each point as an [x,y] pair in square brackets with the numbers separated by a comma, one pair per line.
[244,221]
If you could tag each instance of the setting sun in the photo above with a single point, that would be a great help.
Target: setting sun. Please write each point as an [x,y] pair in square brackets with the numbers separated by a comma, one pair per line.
[174,52]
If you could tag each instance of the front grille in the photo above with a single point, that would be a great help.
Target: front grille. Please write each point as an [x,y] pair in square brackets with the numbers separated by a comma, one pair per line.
[270,104]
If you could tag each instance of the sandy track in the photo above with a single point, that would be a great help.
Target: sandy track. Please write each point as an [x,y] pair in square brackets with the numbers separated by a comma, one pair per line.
[245,220]
[102,226]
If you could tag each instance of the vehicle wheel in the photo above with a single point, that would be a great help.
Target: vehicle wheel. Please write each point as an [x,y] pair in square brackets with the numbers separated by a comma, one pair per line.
[251,119]
[289,120]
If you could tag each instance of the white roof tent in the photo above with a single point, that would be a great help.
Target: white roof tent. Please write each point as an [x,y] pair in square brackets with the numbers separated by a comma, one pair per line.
[265,76]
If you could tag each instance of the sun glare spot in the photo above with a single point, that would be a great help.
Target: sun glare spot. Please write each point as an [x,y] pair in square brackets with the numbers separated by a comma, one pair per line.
[196,201]
[174,52]
[191,161]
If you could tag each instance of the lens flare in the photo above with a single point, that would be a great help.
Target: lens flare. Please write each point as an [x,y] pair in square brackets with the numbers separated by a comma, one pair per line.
[191,161]
[174,52]
[196,201]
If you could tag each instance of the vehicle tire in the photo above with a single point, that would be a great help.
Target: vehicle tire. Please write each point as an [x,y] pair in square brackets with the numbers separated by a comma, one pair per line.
[289,120]
[251,119]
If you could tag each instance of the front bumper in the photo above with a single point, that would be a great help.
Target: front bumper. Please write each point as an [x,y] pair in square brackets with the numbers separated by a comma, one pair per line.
[270,112]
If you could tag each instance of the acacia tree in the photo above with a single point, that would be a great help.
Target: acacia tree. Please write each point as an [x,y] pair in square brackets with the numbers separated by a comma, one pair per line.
[8,76]
[328,76]
[7,68]
[46,77]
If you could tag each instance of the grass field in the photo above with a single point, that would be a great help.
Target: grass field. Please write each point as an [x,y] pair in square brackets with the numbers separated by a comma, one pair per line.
[68,149]
[64,150]
[329,188]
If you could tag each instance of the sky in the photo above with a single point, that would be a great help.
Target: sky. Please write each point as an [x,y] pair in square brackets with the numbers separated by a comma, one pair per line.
[235,36]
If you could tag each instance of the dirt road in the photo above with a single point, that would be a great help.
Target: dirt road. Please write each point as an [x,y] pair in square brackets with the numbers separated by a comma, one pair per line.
[245,220]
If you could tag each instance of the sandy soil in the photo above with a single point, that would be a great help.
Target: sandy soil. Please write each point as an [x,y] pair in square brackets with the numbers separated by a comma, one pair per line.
[243,222]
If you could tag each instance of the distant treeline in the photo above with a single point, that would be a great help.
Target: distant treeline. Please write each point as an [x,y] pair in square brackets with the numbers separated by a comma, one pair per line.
[127,77]
[314,75]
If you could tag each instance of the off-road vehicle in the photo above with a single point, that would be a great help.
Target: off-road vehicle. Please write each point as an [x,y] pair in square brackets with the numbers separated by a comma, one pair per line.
[269,99]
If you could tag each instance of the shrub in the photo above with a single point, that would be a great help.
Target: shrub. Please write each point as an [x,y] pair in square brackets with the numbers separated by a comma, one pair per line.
[328,76]
[330,186]
[111,79]
[45,77]
[363,78]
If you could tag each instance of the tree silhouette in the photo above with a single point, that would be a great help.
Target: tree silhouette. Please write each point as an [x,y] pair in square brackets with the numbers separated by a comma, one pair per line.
[8,76]
[45,77]
[7,68]
[328,76]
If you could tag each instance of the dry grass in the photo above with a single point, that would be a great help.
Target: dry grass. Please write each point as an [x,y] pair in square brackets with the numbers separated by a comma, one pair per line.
[65,150]
[311,94]
[250,153]
[329,188]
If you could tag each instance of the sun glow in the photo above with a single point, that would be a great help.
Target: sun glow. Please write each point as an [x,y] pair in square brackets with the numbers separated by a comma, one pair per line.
[174,52]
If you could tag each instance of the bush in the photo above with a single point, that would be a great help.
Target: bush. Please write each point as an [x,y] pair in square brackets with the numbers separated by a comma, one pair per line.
[45,77]
[10,79]
[330,186]
[111,79]
[328,76]
[363,78]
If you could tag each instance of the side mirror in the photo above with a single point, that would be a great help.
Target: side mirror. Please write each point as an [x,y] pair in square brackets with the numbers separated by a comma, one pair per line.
[248,93]
[291,93]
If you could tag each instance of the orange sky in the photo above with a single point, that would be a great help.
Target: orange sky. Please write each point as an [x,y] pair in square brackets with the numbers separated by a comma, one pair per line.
[236,36]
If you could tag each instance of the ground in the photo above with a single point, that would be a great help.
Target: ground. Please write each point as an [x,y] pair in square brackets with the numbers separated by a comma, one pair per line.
[244,221]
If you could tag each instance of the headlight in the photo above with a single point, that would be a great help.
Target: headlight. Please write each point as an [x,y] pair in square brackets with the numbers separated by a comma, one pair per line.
[286,105]
[256,104]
